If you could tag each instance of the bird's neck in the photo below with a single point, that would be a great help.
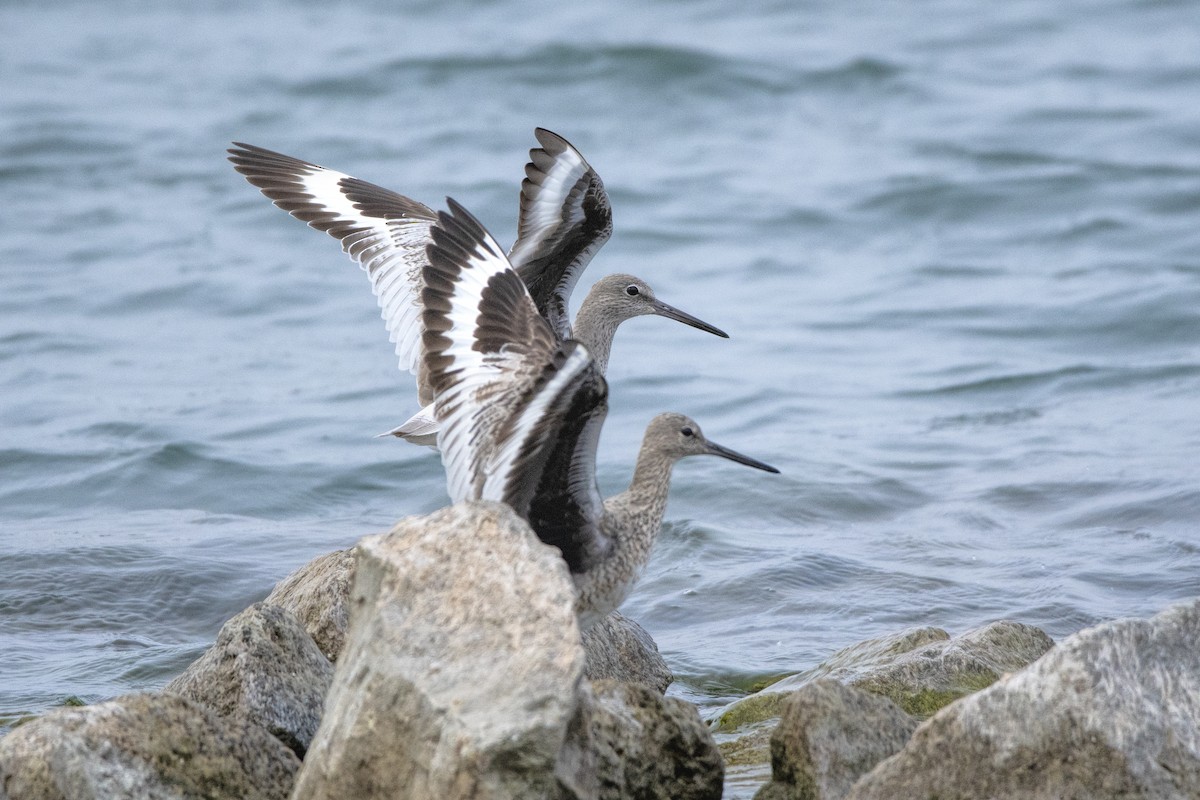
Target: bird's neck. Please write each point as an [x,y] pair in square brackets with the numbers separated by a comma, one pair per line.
[595,331]
[631,520]
[646,497]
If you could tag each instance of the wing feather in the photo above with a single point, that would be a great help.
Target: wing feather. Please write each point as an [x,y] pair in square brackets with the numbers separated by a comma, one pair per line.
[565,218]
[550,475]
[484,343]
[385,232]
[520,412]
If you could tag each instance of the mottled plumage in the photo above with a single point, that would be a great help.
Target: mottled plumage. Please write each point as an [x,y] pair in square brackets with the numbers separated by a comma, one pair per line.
[521,412]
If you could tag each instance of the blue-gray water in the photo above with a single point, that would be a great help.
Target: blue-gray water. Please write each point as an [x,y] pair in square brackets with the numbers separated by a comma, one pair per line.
[957,246]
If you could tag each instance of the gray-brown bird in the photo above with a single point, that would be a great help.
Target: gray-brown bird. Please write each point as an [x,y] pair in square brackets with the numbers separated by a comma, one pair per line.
[520,413]
[565,217]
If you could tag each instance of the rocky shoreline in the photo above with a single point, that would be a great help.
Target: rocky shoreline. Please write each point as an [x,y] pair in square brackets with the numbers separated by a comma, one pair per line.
[443,660]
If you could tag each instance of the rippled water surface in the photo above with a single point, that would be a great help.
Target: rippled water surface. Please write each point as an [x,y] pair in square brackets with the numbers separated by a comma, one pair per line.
[957,246]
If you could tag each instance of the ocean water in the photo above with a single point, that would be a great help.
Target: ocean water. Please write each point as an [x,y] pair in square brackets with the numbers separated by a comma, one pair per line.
[956,246]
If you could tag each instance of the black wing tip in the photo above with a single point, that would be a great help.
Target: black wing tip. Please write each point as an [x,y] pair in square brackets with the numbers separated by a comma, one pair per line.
[458,225]
[542,160]
[255,157]
[453,236]
[458,209]
[244,150]
[553,145]
[454,216]
[549,139]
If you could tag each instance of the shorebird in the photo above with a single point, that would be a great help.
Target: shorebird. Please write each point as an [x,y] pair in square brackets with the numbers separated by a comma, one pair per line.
[565,217]
[521,412]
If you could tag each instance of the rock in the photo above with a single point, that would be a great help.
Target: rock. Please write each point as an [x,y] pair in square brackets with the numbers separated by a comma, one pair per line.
[627,740]
[871,654]
[1111,712]
[829,736]
[619,649]
[459,674]
[747,756]
[143,746]
[855,660]
[318,595]
[920,670]
[936,674]
[263,668]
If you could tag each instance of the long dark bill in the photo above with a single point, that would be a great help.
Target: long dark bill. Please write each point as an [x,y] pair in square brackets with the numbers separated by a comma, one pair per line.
[724,452]
[671,312]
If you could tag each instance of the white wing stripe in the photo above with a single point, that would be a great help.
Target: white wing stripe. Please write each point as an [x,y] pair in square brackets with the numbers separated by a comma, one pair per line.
[547,213]
[500,462]
[325,187]
[391,251]
[463,416]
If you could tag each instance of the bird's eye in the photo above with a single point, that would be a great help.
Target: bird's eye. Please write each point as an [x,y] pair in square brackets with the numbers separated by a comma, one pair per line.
[688,432]
[632,290]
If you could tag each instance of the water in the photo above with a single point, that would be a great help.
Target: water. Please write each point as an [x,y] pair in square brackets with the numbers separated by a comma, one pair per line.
[956,245]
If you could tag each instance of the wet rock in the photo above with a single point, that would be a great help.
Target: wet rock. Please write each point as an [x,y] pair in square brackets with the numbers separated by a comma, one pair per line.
[460,670]
[627,740]
[747,755]
[318,594]
[936,674]
[143,746]
[920,670]
[855,660]
[1111,712]
[619,649]
[829,736]
[263,668]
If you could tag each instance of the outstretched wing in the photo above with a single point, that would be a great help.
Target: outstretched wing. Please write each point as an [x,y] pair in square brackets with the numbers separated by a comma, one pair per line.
[520,412]
[385,232]
[565,218]
[552,481]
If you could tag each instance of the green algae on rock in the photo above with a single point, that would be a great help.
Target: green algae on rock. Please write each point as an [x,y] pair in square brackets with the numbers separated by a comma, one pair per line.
[1110,712]
[857,659]
[921,670]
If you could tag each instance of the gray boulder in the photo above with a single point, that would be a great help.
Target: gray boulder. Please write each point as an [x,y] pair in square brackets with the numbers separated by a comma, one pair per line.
[460,670]
[830,735]
[1112,712]
[627,740]
[619,649]
[936,674]
[921,670]
[263,668]
[143,747]
[318,594]
[849,662]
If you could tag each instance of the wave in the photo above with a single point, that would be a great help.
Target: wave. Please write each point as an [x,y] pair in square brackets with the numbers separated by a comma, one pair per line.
[682,68]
